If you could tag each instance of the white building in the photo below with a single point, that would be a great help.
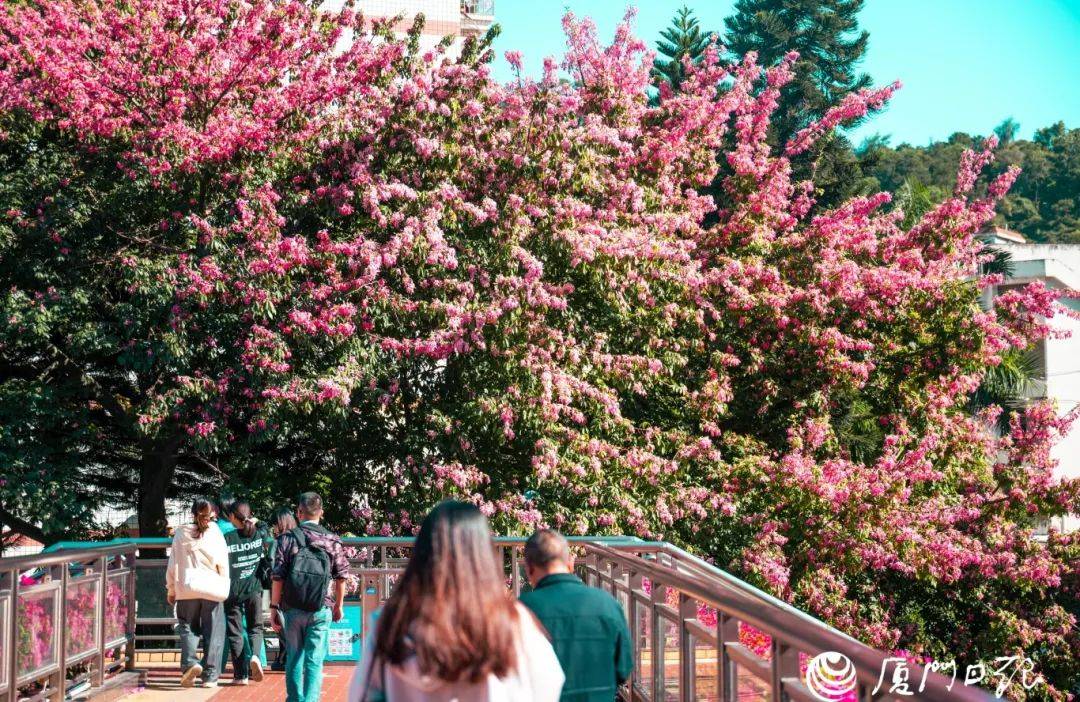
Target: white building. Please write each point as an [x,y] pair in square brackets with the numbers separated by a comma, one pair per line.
[457,18]
[1058,266]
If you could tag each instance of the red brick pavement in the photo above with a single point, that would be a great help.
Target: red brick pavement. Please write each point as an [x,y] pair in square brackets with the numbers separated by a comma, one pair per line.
[272,689]
[336,677]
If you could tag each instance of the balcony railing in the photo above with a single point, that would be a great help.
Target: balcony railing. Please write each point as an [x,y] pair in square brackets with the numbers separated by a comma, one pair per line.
[485,8]
[71,617]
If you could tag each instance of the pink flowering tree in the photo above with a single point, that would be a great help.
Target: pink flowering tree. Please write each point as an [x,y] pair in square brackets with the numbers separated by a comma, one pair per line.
[127,132]
[238,245]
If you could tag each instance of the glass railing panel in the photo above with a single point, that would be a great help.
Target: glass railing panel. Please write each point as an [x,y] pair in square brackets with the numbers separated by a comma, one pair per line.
[36,646]
[82,616]
[704,670]
[643,662]
[116,609]
[151,594]
[671,660]
[749,687]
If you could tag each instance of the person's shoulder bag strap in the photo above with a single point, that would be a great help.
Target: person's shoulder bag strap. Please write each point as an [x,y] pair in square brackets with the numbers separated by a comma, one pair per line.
[300,536]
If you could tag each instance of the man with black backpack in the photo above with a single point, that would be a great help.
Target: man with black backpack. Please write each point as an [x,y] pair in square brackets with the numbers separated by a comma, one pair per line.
[307,592]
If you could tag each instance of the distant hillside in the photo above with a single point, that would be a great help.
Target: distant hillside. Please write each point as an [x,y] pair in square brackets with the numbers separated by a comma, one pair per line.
[1044,204]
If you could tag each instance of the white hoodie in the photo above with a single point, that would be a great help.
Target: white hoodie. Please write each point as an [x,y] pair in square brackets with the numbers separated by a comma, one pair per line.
[191,551]
[538,678]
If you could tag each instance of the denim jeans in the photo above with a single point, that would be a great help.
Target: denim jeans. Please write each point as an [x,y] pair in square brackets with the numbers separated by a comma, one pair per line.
[201,619]
[307,637]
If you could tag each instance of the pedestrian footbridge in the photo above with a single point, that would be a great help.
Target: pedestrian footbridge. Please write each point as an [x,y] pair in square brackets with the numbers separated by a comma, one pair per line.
[90,621]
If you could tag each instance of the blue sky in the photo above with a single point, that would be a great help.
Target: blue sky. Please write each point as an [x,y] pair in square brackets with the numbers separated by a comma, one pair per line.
[965,64]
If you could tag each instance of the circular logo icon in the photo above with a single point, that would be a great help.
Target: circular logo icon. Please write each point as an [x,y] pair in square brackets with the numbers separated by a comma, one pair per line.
[830,676]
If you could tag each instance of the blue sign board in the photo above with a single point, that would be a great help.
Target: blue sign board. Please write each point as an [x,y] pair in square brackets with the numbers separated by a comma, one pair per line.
[345,636]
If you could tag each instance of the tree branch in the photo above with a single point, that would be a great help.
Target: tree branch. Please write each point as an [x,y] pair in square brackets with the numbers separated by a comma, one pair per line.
[27,529]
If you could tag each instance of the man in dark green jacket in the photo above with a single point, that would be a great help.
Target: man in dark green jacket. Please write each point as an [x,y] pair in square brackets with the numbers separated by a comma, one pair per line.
[587,625]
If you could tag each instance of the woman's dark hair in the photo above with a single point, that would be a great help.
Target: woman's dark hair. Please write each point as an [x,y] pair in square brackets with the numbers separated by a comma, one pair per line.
[282,520]
[451,609]
[241,512]
[199,507]
[225,504]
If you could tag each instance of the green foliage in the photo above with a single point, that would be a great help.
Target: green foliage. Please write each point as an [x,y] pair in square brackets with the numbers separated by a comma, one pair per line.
[1007,130]
[94,342]
[1009,384]
[683,39]
[1044,203]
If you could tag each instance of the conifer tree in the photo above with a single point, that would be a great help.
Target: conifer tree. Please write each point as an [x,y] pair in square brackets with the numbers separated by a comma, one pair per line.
[683,38]
[826,35]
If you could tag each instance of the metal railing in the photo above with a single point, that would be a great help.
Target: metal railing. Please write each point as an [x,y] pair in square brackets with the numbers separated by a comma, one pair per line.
[684,615]
[66,621]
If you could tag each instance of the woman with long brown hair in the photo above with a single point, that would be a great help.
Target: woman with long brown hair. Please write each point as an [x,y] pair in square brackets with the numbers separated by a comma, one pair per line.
[451,630]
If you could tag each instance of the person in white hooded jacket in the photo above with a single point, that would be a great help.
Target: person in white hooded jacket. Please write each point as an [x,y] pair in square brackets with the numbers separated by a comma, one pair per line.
[197,579]
[451,632]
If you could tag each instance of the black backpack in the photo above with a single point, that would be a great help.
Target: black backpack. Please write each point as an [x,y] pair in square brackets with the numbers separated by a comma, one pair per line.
[264,572]
[309,576]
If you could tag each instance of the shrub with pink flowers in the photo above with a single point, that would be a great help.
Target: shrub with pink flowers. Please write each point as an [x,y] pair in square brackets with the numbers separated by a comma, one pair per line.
[234,241]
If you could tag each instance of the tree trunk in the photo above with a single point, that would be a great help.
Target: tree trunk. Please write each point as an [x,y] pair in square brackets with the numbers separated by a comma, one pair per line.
[155,477]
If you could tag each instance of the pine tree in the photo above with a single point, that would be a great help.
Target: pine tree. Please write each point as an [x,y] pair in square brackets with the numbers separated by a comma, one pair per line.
[826,35]
[683,38]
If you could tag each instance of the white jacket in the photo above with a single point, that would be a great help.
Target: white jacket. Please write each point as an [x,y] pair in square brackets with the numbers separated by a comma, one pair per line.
[538,678]
[191,551]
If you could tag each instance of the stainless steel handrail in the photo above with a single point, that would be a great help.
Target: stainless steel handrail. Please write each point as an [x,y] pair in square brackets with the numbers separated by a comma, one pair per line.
[44,560]
[57,579]
[786,625]
[621,565]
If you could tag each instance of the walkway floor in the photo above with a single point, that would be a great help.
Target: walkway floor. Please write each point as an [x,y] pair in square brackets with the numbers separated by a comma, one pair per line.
[272,689]
[163,685]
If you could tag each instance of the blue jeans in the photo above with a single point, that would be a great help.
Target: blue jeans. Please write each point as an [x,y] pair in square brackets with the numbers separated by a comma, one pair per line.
[307,637]
[203,619]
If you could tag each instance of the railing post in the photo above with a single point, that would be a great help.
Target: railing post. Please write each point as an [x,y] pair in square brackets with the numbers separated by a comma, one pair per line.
[98,678]
[369,600]
[515,574]
[656,595]
[132,604]
[592,569]
[61,681]
[785,664]
[634,582]
[688,651]
[727,629]
[13,637]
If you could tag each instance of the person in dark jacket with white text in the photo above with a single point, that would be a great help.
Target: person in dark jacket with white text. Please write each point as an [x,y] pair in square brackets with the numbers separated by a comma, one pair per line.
[248,545]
